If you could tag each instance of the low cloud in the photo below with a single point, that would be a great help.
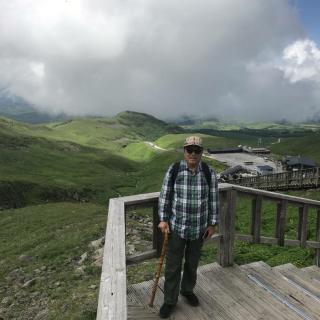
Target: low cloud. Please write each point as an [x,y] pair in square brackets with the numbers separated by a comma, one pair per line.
[234,59]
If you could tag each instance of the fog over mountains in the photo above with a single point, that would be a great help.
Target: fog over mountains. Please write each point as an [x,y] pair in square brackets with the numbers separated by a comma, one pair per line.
[17,108]
[231,59]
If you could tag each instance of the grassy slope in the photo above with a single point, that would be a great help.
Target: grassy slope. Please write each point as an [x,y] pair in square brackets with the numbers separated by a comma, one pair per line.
[98,133]
[52,164]
[307,145]
[139,151]
[106,133]
[257,125]
[146,126]
[173,141]
[88,154]
[52,237]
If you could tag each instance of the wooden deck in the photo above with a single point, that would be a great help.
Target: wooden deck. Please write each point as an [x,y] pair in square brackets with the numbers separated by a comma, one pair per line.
[250,292]
[226,292]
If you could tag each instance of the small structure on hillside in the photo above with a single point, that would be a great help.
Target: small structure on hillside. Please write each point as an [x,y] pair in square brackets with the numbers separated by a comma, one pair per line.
[231,173]
[225,150]
[292,163]
[263,170]
[240,149]
[260,151]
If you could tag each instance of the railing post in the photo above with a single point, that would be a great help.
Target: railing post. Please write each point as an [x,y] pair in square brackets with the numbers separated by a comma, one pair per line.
[256,219]
[281,221]
[157,237]
[299,222]
[303,227]
[227,227]
[318,238]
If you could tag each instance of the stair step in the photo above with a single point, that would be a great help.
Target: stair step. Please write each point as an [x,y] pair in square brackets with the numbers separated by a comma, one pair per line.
[239,287]
[137,312]
[313,272]
[294,297]
[250,292]
[300,279]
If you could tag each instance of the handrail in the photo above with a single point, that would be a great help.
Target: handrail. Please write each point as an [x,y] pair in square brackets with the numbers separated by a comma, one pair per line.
[112,301]
[283,181]
[276,196]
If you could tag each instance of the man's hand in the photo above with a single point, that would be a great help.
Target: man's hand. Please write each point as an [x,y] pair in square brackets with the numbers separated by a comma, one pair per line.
[164,227]
[210,231]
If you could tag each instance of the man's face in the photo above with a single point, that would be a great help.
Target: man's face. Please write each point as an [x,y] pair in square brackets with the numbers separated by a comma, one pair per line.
[192,154]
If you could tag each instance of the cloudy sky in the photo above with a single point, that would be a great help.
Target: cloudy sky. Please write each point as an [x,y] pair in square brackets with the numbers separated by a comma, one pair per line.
[233,59]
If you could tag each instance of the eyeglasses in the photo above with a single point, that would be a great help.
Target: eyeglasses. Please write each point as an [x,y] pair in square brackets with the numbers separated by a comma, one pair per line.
[191,149]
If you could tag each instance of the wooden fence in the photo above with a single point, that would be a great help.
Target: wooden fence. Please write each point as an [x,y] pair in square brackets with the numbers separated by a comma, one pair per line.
[112,303]
[301,179]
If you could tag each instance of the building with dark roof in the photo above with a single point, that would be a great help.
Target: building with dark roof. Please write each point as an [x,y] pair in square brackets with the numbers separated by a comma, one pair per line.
[264,169]
[297,163]
[225,150]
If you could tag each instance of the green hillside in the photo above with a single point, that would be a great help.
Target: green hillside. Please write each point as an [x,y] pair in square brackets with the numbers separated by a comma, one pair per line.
[86,158]
[139,151]
[106,133]
[146,126]
[46,169]
[271,126]
[175,141]
[307,145]
[39,252]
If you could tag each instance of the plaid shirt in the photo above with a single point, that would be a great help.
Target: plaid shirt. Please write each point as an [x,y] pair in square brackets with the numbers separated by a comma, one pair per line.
[191,207]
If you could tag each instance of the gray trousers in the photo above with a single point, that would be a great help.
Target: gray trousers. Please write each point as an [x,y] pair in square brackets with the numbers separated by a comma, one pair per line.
[177,249]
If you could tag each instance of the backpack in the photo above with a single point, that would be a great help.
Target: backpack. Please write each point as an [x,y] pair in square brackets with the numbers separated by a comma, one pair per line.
[175,170]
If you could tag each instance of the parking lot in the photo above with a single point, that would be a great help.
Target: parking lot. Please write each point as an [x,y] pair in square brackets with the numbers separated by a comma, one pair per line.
[234,159]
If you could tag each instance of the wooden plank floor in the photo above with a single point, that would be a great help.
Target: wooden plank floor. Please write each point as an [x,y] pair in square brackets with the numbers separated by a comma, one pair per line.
[250,292]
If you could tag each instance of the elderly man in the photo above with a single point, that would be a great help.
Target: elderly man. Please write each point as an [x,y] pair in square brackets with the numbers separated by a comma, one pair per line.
[188,209]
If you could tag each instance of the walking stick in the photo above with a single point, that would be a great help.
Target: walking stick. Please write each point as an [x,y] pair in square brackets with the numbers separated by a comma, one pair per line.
[163,254]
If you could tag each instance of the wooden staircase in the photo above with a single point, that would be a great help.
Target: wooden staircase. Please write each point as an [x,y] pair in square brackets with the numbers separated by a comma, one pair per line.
[253,291]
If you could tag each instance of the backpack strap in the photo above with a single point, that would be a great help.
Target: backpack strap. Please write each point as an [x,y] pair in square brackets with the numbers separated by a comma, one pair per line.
[174,173]
[207,173]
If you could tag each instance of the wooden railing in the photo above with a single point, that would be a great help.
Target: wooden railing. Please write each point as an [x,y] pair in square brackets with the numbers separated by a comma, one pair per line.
[308,178]
[112,302]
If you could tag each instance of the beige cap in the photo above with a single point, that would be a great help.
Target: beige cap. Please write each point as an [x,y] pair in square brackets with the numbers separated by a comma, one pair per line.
[193,141]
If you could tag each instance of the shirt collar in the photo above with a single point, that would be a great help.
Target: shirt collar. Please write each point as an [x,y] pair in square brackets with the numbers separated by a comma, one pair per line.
[185,166]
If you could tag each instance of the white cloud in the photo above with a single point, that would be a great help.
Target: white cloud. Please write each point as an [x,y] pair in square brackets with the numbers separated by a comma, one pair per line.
[301,61]
[162,57]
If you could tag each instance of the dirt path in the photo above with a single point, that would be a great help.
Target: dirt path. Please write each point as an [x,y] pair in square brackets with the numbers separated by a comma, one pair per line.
[155,146]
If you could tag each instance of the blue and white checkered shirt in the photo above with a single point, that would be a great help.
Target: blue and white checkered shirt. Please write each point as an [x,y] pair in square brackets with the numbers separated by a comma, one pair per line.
[192,205]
